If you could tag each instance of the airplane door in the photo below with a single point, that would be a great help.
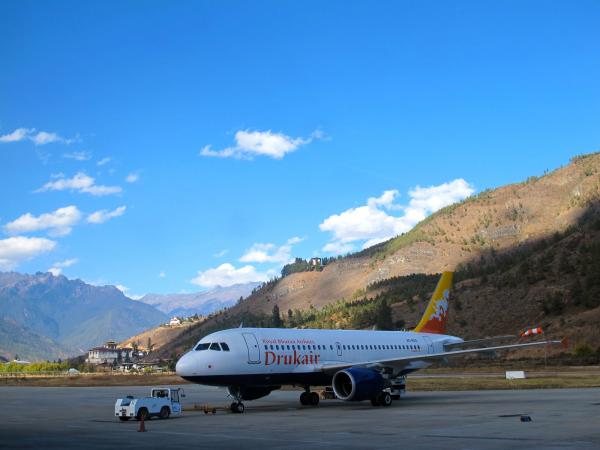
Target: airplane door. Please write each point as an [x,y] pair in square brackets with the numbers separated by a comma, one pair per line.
[339,348]
[429,343]
[253,348]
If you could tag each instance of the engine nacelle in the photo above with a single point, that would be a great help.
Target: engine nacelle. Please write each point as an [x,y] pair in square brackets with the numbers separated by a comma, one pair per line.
[357,384]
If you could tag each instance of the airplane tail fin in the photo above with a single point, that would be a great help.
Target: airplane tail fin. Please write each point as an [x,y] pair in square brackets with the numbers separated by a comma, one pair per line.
[436,314]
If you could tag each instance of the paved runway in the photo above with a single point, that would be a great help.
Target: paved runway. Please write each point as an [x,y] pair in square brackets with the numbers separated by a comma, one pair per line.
[65,418]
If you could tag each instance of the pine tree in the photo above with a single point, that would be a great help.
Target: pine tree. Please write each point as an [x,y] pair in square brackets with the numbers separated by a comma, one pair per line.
[276,318]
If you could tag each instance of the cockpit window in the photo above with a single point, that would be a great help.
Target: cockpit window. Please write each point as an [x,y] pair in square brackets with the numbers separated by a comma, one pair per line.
[202,346]
[215,346]
[224,346]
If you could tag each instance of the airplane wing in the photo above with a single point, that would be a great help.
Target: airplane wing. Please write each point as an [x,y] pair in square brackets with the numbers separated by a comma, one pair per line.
[400,363]
[478,341]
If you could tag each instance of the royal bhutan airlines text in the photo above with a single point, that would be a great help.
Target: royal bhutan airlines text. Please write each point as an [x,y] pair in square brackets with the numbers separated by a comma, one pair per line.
[293,359]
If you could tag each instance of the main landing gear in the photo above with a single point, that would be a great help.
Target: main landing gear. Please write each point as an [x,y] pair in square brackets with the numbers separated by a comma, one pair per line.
[309,398]
[382,399]
[237,407]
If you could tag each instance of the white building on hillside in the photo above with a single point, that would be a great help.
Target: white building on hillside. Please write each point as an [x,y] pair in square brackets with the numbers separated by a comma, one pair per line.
[108,354]
[175,321]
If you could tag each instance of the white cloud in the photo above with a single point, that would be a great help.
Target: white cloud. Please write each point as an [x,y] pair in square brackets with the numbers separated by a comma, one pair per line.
[103,215]
[162,274]
[221,253]
[270,253]
[122,288]
[80,182]
[39,138]
[58,223]
[256,143]
[18,249]
[78,156]
[57,267]
[43,138]
[18,135]
[132,177]
[103,161]
[227,275]
[372,223]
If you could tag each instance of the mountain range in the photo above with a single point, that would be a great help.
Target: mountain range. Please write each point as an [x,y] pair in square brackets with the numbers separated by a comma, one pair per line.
[43,316]
[201,303]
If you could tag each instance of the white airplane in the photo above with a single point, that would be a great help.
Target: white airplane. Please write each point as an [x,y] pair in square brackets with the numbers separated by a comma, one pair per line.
[357,364]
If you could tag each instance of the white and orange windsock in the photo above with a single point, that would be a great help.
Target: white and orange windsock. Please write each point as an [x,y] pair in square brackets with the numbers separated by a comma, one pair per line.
[532,332]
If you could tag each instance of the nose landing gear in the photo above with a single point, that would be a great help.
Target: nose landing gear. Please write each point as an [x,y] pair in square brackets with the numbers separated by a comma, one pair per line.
[237,407]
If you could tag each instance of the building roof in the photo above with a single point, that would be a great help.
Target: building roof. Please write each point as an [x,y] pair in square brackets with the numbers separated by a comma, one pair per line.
[106,349]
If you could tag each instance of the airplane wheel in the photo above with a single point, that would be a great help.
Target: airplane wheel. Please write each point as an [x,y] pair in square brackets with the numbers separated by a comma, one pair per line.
[385,399]
[235,407]
[314,398]
[305,398]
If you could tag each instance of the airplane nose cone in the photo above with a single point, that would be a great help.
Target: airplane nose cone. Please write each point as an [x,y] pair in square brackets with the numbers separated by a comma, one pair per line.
[184,366]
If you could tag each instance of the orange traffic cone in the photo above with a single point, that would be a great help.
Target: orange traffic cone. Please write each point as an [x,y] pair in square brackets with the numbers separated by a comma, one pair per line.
[142,428]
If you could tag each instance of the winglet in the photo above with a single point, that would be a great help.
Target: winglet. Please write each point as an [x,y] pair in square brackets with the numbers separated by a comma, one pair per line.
[436,315]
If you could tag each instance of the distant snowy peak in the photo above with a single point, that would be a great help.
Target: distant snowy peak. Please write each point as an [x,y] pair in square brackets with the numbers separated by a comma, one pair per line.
[202,303]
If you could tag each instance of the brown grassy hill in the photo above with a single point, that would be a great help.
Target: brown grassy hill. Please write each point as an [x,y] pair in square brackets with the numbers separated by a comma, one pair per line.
[158,336]
[525,254]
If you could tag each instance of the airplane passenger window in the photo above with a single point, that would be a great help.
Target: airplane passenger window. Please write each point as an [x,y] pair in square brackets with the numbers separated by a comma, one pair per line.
[304,347]
[215,346]
[288,347]
[266,347]
[314,347]
[271,346]
[277,347]
[224,346]
[344,347]
[202,346]
[331,347]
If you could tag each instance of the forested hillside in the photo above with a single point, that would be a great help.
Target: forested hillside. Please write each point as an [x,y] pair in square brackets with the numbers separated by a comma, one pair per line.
[524,254]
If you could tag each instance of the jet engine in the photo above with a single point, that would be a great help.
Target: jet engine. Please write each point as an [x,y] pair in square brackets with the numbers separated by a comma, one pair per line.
[357,384]
[250,392]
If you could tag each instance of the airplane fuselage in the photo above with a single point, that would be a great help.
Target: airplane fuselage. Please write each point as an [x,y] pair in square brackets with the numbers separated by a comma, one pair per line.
[276,356]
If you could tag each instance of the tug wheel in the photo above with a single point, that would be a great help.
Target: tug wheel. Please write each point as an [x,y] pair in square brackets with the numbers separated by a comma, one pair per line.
[164,412]
[143,414]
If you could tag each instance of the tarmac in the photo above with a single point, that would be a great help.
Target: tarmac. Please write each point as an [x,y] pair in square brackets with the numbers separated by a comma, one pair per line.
[69,418]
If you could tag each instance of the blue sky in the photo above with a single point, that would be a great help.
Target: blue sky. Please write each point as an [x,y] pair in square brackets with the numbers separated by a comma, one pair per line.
[173,146]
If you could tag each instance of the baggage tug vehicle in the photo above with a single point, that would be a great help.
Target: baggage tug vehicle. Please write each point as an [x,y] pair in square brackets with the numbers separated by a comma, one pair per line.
[162,403]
